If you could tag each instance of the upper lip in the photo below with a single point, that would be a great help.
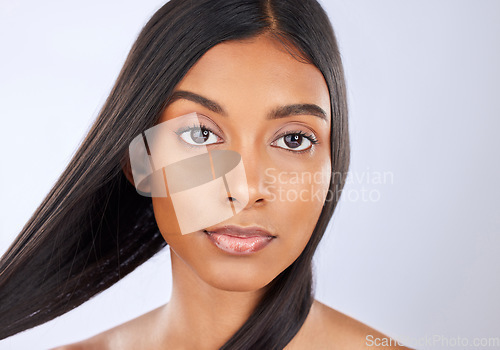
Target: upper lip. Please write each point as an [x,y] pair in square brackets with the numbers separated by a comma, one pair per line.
[238,231]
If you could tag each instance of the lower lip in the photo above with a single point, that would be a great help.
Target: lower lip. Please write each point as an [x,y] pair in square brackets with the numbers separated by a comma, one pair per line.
[239,245]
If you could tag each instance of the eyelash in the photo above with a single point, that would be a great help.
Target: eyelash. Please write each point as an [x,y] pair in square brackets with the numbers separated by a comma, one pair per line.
[194,127]
[310,137]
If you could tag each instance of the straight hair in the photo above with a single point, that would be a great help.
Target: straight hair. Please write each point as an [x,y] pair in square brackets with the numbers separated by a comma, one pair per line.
[93,228]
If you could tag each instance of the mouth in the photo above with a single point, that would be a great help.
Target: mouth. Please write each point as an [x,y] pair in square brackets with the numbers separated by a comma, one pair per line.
[239,240]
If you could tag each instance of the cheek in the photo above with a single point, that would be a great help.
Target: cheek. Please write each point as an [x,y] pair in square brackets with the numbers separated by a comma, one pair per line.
[184,245]
[299,196]
[299,217]
[165,217]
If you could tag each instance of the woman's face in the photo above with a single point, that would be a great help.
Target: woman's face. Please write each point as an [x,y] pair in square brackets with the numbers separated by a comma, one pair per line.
[286,158]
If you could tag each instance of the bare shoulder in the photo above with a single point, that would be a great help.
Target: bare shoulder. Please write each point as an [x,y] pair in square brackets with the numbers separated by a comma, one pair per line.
[124,336]
[87,344]
[83,345]
[329,329]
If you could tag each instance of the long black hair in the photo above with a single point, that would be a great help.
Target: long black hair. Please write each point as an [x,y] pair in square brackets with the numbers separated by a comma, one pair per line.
[93,228]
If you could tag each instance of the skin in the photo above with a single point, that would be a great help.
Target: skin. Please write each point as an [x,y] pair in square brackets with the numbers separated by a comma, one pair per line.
[248,79]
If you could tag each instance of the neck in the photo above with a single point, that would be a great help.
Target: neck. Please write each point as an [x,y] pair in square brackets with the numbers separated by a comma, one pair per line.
[200,316]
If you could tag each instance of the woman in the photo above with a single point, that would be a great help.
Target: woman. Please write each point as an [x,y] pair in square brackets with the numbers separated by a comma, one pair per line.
[255,91]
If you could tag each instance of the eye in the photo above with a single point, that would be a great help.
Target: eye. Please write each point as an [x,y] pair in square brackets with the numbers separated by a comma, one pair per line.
[296,141]
[198,135]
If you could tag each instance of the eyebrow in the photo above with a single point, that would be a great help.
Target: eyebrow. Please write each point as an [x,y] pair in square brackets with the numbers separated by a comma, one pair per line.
[276,113]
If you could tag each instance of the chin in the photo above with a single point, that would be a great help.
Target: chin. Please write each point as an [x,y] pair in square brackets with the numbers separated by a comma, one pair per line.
[238,280]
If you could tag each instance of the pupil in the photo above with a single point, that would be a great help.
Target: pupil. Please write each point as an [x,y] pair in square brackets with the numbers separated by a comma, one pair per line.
[199,135]
[293,140]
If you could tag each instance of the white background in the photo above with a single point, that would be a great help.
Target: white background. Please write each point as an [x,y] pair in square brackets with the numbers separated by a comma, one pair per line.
[420,259]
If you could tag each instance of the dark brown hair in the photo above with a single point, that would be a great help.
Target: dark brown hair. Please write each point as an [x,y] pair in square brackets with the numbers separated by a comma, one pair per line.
[93,228]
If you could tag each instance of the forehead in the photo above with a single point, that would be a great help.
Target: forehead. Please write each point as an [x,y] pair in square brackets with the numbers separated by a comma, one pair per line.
[256,73]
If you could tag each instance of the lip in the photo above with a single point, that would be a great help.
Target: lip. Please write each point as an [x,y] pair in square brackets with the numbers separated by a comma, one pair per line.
[239,240]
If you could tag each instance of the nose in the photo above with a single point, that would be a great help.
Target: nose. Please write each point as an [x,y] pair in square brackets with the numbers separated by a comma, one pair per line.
[251,188]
